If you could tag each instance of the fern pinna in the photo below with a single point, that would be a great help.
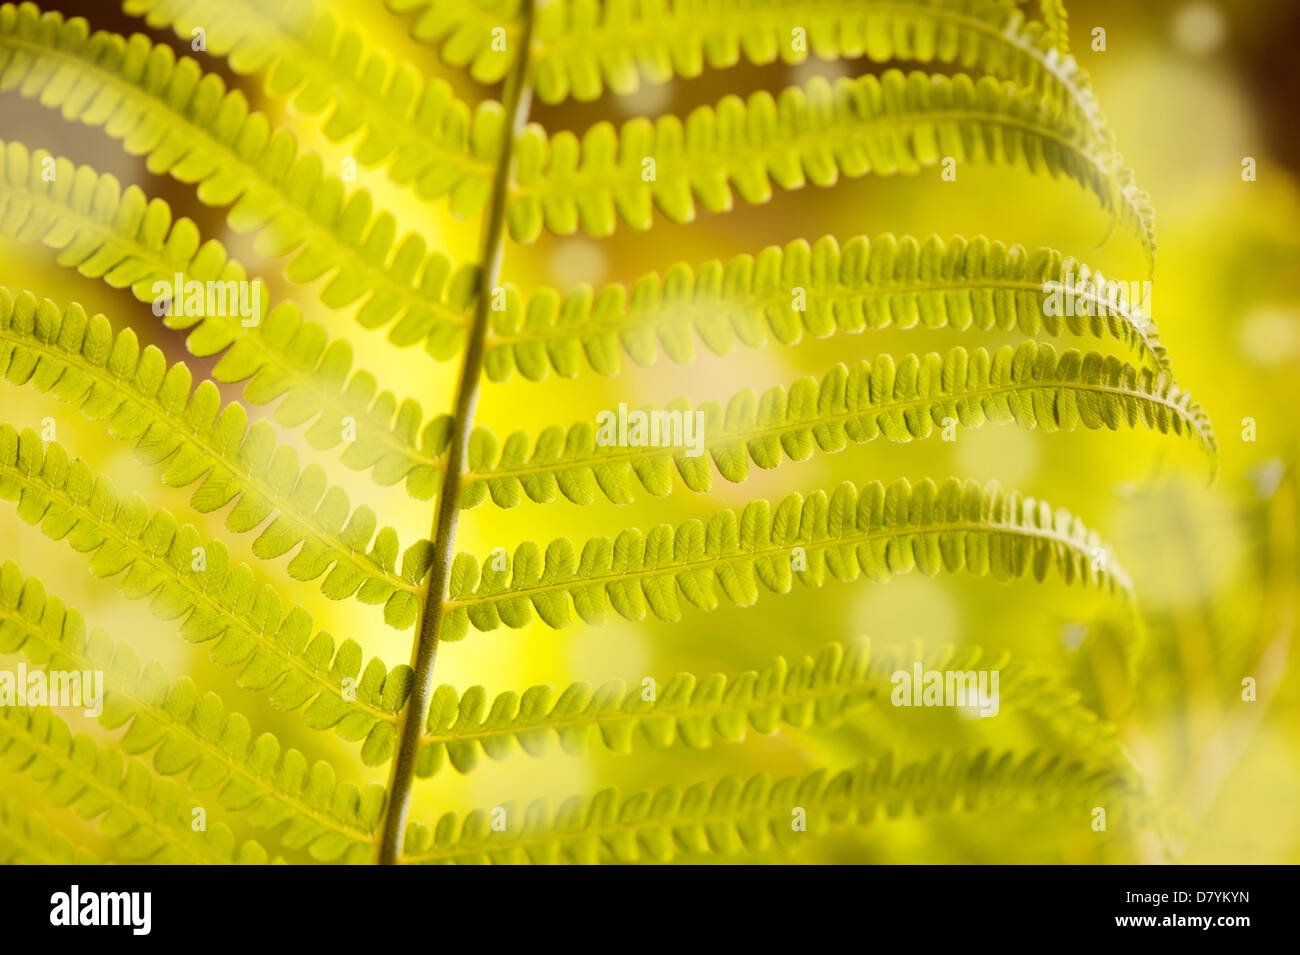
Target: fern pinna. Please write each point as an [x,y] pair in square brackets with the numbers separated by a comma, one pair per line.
[979,81]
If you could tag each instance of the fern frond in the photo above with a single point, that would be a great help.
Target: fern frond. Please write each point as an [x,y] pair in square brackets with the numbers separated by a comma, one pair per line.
[463,31]
[895,124]
[194,581]
[148,821]
[812,693]
[189,127]
[430,138]
[734,814]
[118,235]
[1056,20]
[967,285]
[191,733]
[686,711]
[192,437]
[900,400]
[872,531]
[584,47]
[26,838]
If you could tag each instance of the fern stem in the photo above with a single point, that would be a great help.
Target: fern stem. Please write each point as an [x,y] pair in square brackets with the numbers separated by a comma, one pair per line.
[518,96]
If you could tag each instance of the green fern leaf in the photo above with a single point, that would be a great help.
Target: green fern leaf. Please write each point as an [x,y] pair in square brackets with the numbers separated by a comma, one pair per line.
[990,81]
[464,32]
[583,47]
[189,127]
[430,138]
[873,531]
[895,124]
[193,438]
[26,838]
[812,693]
[974,285]
[106,232]
[734,815]
[147,820]
[899,400]
[191,733]
[1057,22]
[187,579]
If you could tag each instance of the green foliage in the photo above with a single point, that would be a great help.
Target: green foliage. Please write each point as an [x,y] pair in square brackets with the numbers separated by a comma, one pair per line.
[189,127]
[897,123]
[103,231]
[147,821]
[194,581]
[584,47]
[192,437]
[430,139]
[1057,25]
[812,694]
[27,839]
[191,733]
[1004,90]
[872,531]
[901,401]
[970,286]
[737,815]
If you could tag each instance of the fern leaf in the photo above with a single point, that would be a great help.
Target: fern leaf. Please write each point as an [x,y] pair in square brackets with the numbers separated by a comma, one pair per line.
[463,30]
[430,138]
[895,124]
[148,821]
[116,234]
[974,285]
[686,711]
[900,400]
[189,127]
[812,693]
[193,581]
[1057,22]
[190,733]
[193,438]
[735,815]
[872,531]
[26,838]
[582,48]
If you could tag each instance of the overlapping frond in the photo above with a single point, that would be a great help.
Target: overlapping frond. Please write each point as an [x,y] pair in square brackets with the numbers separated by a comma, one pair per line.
[897,123]
[189,127]
[478,34]
[195,581]
[193,438]
[812,693]
[26,838]
[1056,20]
[106,232]
[899,400]
[429,138]
[805,291]
[869,531]
[584,47]
[147,819]
[191,734]
[736,815]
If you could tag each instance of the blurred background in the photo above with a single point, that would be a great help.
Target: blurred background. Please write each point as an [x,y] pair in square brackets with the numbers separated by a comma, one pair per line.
[1190,88]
